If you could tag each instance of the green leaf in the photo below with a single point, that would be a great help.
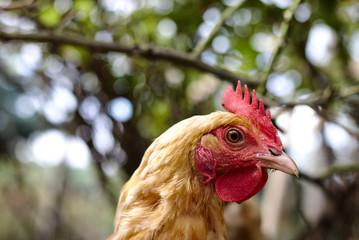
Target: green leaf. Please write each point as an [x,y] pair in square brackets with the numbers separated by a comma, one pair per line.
[85,6]
[49,16]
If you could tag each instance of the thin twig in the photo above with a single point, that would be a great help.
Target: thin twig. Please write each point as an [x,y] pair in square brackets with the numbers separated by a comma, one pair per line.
[347,129]
[339,169]
[330,171]
[298,204]
[65,21]
[18,5]
[59,197]
[317,102]
[204,41]
[147,52]
[349,91]
[283,30]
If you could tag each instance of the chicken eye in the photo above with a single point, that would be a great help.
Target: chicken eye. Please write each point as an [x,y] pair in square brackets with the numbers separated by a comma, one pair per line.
[234,136]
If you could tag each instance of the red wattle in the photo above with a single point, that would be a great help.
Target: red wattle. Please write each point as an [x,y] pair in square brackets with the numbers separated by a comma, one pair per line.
[240,184]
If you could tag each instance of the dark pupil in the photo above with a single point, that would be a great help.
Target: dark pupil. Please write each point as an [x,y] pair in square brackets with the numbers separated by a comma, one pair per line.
[233,136]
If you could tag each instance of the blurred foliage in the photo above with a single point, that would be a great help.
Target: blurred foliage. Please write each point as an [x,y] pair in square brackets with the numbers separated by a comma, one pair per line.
[104,78]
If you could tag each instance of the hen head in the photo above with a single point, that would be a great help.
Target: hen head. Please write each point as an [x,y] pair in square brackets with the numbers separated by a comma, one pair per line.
[238,155]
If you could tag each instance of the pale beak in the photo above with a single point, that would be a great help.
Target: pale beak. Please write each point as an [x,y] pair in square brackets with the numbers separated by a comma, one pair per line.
[279,161]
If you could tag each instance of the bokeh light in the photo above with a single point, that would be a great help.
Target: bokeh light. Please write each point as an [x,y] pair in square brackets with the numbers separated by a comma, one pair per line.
[284,84]
[303,12]
[49,147]
[221,44]
[120,109]
[167,28]
[320,43]
[77,153]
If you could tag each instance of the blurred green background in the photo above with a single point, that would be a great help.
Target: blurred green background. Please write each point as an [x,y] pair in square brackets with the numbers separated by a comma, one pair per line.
[85,87]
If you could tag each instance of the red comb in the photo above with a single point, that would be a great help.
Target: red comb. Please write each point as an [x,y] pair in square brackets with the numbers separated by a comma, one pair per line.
[235,102]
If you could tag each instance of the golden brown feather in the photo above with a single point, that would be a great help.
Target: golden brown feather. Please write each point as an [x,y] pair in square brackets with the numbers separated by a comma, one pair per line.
[165,198]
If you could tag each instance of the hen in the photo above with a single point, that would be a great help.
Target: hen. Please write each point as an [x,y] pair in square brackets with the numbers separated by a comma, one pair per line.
[190,170]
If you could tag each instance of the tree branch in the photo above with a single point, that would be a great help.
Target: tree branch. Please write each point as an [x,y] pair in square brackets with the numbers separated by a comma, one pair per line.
[288,15]
[330,171]
[225,14]
[318,102]
[65,21]
[18,5]
[173,56]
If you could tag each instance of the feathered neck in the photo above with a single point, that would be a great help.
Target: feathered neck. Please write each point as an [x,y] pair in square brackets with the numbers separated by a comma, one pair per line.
[165,195]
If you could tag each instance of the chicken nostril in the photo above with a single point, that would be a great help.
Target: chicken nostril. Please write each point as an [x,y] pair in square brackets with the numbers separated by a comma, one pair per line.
[275,152]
